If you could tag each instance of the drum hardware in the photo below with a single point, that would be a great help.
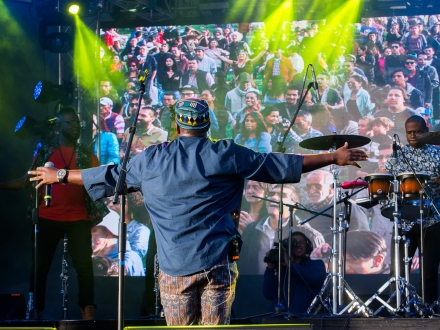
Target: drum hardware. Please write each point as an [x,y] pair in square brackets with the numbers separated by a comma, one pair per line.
[411,184]
[336,276]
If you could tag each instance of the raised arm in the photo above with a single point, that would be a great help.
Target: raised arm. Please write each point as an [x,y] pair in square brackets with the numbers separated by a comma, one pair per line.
[260,55]
[223,58]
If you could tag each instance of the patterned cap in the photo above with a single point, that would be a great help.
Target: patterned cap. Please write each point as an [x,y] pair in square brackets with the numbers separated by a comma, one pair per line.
[192,113]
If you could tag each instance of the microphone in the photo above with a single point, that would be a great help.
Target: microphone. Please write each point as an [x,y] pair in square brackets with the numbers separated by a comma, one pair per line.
[52,121]
[353,184]
[142,75]
[315,82]
[48,192]
[394,157]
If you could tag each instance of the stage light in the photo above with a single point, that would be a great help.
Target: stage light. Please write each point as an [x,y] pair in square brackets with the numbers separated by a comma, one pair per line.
[46,92]
[28,127]
[56,41]
[74,9]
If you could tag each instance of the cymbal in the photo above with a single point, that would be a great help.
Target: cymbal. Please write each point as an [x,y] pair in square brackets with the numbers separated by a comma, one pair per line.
[429,137]
[329,141]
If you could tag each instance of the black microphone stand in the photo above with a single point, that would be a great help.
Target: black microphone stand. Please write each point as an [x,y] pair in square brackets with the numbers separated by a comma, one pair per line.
[33,312]
[121,190]
[281,148]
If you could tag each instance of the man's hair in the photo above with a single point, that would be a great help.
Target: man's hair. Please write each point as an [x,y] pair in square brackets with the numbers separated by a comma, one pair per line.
[328,177]
[67,111]
[148,108]
[193,58]
[195,132]
[384,146]
[324,74]
[417,119]
[384,121]
[256,92]
[293,195]
[305,114]
[179,47]
[404,92]
[365,244]
[421,53]
[170,94]
[293,87]
[399,70]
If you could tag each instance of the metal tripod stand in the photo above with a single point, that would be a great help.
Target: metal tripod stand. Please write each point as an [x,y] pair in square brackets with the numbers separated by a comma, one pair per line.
[336,277]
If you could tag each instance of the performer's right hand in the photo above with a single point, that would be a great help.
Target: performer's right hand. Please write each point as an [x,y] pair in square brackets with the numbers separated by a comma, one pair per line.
[46,175]
[345,156]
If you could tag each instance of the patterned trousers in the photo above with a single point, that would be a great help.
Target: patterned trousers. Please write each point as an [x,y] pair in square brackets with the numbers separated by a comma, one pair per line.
[203,298]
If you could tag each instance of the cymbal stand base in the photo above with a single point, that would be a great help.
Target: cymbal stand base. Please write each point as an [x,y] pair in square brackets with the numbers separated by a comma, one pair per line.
[356,305]
[404,288]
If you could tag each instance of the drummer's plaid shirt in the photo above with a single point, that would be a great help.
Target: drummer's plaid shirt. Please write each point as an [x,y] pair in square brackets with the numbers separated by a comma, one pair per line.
[425,159]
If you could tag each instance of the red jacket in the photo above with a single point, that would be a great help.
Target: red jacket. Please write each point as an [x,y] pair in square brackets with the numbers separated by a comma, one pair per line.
[286,69]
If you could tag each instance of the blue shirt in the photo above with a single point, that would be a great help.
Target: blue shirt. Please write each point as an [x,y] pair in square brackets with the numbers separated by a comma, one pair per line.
[190,187]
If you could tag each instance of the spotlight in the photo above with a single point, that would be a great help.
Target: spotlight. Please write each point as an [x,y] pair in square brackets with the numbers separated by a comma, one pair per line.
[46,92]
[56,42]
[74,9]
[28,127]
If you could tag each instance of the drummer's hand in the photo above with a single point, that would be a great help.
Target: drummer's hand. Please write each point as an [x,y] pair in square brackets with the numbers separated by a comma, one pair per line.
[322,251]
[46,175]
[345,156]
[245,219]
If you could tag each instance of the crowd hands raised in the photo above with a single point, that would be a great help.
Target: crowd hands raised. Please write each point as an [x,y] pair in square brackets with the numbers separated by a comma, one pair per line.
[377,76]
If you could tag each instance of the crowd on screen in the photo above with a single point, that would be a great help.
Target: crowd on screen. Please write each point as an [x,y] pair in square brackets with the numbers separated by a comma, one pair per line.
[369,83]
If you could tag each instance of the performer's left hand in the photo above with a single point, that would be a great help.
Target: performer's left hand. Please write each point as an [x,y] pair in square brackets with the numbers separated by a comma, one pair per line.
[46,175]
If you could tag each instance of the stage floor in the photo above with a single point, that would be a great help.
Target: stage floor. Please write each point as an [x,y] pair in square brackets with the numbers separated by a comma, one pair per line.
[315,322]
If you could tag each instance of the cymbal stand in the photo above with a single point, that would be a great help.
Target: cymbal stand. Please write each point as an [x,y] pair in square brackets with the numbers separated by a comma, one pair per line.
[339,284]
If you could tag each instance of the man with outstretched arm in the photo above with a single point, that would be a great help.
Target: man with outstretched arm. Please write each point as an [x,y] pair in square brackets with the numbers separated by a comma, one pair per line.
[191,188]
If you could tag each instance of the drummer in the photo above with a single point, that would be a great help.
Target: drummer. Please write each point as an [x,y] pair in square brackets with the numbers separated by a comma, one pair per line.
[423,158]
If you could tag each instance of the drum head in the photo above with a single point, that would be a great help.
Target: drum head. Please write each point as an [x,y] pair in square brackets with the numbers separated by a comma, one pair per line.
[407,175]
[375,176]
